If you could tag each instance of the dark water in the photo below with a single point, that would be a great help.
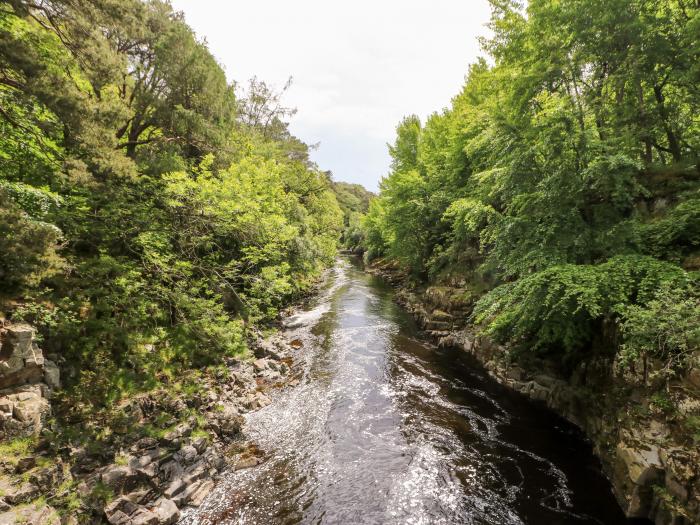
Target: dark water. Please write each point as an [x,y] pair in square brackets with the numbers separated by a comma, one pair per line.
[385,428]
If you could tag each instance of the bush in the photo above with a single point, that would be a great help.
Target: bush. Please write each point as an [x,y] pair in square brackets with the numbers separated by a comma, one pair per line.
[666,328]
[559,308]
[28,245]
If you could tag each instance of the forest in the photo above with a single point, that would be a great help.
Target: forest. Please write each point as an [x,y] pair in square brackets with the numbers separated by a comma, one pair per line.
[151,213]
[561,187]
[160,225]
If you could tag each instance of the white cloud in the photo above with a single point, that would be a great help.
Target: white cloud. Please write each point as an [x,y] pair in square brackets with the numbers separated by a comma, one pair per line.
[358,67]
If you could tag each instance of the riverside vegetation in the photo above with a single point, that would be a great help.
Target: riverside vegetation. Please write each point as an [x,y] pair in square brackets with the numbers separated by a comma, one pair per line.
[555,206]
[152,220]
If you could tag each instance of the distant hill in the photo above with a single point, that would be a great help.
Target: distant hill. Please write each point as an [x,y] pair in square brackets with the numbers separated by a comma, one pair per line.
[352,197]
[353,200]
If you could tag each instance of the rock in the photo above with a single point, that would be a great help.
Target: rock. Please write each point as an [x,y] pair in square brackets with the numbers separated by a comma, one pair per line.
[52,375]
[22,494]
[31,515]
[261,400]
[49,477]
[20,359]
[186,454]
[171,470]
[6,405]
[25,464]
[123,511]
[201,492]
[119,478]
[146,443]
[247,462]
[260,364]
[229,423]
[23,397]
[201,444]
[31,411]
[693,378]
[441,315]
[264,348]
[180,431]
[642,466]
[166,511]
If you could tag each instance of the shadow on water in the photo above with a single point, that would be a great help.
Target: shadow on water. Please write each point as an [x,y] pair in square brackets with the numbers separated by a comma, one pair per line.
[386,428]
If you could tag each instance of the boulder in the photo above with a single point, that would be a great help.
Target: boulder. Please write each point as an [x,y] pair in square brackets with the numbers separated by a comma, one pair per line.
[642,465]
[261,364]
[166,511]
[31,515]
[201,492]
[22,494]
[124,511]
[24,404]
[119,478]
[228,423]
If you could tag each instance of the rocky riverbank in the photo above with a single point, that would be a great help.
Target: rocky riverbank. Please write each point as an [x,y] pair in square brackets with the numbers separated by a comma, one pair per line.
[643,433]
[166,452]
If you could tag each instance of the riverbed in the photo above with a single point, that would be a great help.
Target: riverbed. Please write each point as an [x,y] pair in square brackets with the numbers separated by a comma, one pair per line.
[383,427]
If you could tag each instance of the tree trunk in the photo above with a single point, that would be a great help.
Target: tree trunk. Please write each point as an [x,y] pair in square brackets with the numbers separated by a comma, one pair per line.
[673,144]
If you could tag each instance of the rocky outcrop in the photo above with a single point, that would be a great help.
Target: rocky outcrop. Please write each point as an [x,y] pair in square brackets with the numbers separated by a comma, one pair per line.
[134,481]
[155,478]
[654,468]
[27,381]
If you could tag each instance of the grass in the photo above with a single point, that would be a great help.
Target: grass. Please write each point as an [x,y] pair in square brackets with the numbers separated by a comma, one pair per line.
[121,460]
[14,450]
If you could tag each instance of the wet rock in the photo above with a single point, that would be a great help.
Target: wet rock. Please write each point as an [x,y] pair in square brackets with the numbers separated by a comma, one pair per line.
[227,423]
[642,465]
[201,492]
[247,462]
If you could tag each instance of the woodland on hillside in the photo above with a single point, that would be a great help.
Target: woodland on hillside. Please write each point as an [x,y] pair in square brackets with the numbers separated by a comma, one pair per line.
[150,212]
[561,188]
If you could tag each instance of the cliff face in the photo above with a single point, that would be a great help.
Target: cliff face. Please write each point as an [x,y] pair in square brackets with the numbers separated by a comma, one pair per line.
[651,460]
[27,380]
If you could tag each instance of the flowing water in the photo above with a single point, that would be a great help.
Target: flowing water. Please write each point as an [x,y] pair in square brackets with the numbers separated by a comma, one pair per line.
[386,428]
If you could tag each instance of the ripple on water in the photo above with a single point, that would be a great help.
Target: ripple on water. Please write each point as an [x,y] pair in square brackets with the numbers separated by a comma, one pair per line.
[384,428]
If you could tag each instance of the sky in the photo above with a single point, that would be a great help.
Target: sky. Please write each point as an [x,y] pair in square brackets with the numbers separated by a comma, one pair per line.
[358,67]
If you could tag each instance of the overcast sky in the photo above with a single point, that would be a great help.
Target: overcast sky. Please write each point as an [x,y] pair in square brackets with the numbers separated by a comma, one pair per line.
[358,67]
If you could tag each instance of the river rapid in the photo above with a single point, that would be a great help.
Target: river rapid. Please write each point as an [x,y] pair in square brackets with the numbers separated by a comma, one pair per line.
[384,428]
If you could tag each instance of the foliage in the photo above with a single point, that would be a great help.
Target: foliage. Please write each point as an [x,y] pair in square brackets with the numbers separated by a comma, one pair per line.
[558,308]
[29,246]
[353,200]
[563,178]
[148,216]
[666,328]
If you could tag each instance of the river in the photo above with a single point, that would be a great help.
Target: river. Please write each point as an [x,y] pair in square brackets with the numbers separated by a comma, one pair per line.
[385,428]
